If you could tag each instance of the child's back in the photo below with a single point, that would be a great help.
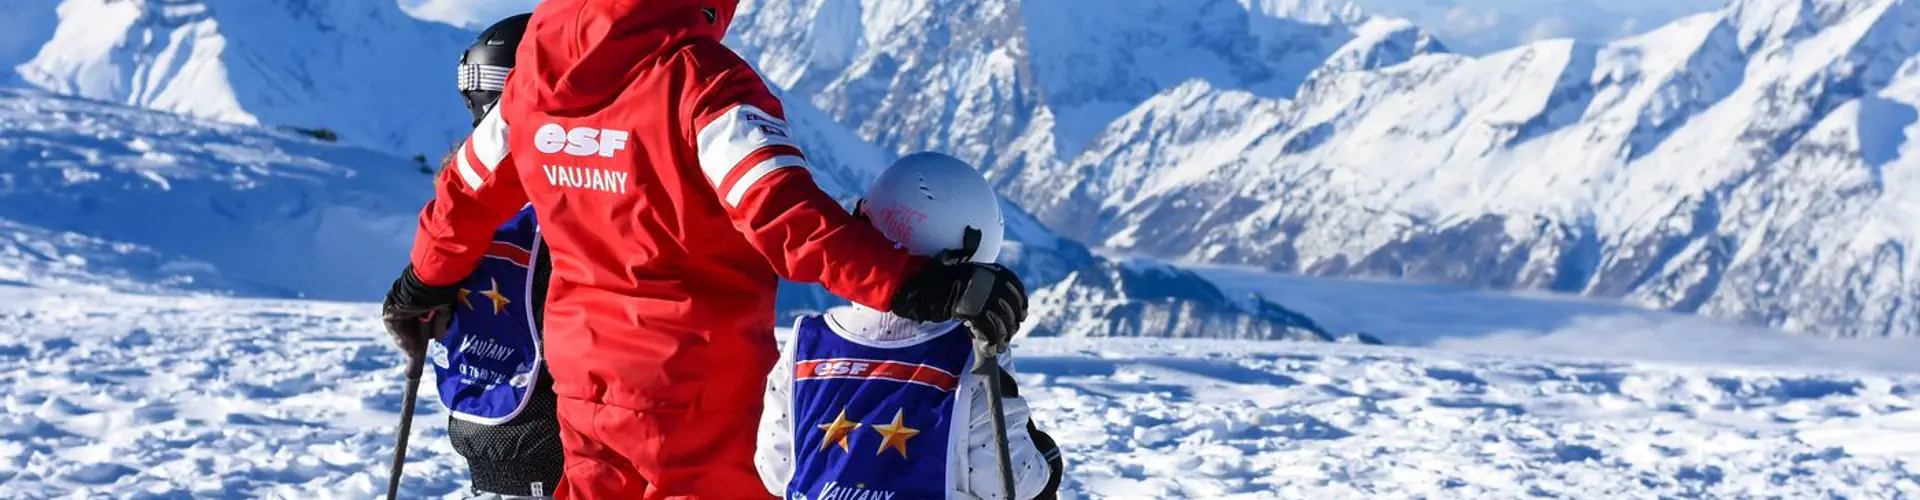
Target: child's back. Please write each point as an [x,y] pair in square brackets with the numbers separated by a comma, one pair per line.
[864,404]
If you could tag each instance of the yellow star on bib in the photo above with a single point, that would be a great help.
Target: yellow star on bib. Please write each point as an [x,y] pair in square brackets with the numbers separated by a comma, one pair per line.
[838,431]
[895,434]
[464,292]
[499,301]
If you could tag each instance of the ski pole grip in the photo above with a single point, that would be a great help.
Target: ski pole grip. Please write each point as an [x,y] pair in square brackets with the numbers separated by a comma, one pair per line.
[973,300]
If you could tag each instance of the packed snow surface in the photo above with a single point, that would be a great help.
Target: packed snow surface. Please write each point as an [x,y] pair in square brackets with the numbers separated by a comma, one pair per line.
[121,396]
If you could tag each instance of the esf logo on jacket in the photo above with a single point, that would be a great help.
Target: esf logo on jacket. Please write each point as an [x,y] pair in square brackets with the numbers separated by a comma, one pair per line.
[578,141]
[490,359]
[581,142]
[871,422]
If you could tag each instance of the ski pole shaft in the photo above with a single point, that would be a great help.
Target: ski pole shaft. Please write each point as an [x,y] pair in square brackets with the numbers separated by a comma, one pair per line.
[987,349]
[415,365]
[999,412]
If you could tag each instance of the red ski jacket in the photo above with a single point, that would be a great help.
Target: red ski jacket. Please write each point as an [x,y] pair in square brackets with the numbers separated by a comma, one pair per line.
[672,196]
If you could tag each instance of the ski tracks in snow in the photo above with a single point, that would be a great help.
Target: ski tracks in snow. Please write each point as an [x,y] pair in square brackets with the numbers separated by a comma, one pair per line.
[153,396]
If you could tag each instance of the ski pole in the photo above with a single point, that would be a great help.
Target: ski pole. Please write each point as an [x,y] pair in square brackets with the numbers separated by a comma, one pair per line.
[415,365]
[973,301]
[990,360]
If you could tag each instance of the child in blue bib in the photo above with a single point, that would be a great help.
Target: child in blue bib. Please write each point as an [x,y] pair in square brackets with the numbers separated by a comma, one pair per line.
[865,404]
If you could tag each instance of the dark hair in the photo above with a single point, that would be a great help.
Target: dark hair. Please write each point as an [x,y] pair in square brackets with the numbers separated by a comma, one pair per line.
[447,160]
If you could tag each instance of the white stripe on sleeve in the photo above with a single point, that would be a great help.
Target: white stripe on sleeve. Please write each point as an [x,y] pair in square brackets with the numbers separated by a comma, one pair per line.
[489,141]
[761,170]
[465,168]
[736,133]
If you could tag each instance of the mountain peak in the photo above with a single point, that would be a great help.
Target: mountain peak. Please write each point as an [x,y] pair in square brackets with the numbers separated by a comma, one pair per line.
[1313,11]
[1049,72]
[1708,165]
[355,67]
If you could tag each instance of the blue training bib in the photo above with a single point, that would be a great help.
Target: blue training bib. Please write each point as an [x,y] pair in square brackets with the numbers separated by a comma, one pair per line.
[490,359]
[871,422]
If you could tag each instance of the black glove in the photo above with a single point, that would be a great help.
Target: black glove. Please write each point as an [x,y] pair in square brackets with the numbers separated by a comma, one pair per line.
[936,293]
[416,312]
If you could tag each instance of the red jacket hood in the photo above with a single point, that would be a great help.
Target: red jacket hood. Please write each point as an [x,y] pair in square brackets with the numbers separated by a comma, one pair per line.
[582,53]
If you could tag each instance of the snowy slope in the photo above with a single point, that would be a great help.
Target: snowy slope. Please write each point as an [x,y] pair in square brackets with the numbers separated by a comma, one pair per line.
[65,260]
[1168,419]
[364,69]
[103,195]
[171,396]
[1747,163]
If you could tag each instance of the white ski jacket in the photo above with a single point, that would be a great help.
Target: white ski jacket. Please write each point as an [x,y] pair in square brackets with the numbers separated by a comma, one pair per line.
[972,459]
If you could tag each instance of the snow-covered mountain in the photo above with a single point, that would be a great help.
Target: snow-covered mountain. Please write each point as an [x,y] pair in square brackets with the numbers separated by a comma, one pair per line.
[1151,299]
[1011,83]
[1484,26]
[1075,292]
[1741,163]
[363,69]
[471,14]
[96,195]
[1747,163]
[1008,85]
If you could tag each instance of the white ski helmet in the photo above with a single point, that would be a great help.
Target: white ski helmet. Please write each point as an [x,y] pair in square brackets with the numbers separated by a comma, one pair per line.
[926,202]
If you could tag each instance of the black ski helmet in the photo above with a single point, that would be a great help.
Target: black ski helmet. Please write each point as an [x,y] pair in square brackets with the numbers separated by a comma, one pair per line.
[484,66]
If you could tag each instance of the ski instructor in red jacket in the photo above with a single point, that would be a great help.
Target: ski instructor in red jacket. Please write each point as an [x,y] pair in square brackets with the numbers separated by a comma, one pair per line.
[673,196]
